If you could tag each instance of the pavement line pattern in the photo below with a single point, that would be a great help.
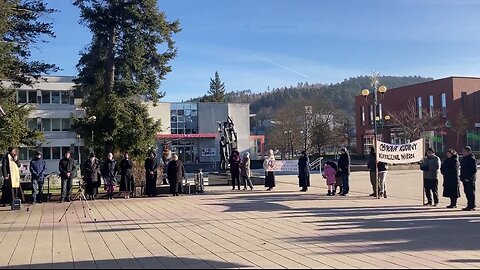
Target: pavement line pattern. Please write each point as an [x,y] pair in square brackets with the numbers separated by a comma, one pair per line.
[224,229]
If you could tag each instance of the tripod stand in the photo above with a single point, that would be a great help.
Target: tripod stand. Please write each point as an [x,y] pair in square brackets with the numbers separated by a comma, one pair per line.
[81,196]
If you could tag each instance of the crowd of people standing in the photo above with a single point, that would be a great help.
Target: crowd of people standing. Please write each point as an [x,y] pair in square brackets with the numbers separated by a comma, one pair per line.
[93,172]
[336,174]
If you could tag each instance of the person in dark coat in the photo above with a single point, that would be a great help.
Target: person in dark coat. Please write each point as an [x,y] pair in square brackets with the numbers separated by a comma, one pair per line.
[451,178]
[109,173]
[38,167]
[91,176]
[176,175]
[468,176]
[151,168]
[344,169]
[430,167]
[372,165]
[11,177]
[127,183]
[235,161]
[66,167]
[304,172]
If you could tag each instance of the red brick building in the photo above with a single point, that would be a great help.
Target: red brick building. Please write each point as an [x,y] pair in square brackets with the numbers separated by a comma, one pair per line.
[449,96]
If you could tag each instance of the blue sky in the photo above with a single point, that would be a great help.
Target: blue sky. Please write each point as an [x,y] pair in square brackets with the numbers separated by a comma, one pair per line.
[256,44]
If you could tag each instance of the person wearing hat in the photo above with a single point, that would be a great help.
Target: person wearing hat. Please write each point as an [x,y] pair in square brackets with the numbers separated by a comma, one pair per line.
[91,176]
[38,167]
[430,167]
[468,176]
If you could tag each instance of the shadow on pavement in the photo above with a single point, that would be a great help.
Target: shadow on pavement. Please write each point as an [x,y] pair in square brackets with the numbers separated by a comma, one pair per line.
[160,262]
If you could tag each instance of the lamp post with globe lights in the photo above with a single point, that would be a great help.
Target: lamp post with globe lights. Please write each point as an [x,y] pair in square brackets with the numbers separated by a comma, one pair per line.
[377,98]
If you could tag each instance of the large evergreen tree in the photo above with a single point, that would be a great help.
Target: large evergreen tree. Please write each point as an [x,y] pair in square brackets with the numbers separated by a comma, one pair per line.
[217,90]
[21,27]
[123,64]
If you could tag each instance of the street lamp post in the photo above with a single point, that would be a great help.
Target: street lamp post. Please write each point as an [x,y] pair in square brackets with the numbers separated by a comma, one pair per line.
[79,156]
[92,119]
[377,98]
[289,135]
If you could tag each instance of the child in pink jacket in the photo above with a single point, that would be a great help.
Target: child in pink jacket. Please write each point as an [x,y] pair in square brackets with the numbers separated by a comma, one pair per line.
[329,174]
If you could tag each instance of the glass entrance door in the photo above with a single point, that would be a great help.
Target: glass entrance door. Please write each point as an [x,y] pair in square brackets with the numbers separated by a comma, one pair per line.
[186,151]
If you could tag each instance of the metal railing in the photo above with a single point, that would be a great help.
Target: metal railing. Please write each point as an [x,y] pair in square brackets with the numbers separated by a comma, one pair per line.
[316,164]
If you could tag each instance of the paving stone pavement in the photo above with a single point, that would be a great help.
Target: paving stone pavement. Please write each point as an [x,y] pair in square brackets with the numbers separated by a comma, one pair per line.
[259,229]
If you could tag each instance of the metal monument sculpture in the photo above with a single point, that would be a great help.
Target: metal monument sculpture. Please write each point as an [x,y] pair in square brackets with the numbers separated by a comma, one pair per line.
[228,141]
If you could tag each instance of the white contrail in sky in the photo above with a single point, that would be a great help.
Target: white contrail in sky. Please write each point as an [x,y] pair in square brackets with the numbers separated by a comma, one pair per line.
[282,66]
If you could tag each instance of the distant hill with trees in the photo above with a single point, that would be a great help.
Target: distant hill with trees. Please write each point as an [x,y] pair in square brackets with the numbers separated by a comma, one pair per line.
[341,95]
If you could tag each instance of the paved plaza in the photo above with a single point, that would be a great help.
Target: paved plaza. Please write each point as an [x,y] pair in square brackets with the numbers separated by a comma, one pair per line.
[259,229]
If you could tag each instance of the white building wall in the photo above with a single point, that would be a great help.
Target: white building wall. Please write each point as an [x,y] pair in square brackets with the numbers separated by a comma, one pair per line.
[63,139]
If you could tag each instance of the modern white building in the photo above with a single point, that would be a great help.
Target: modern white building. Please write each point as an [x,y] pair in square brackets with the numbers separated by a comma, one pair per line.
[190,129]
[54,105]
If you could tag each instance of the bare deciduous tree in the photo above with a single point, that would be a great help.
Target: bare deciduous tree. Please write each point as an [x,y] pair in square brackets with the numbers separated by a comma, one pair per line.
[460,126]
[414,125]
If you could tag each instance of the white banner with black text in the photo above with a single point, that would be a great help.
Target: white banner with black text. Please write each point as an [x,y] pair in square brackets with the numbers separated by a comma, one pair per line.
[400,153]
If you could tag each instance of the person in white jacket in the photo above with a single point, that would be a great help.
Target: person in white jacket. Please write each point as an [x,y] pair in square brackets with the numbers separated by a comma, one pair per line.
[269,167]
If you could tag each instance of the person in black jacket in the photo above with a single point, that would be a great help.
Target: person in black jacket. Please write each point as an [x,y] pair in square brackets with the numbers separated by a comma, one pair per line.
[344,168]
[151,167]
[66,167]
[372,163]
[91,176]
[235,161]
[304,172]
[451,178]
[175,175]
[38,168]
[468,176]
[126,170]
[382,178]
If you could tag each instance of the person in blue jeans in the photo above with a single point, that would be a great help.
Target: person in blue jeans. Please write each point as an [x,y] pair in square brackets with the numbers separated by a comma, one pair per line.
[344,168]
[38,168]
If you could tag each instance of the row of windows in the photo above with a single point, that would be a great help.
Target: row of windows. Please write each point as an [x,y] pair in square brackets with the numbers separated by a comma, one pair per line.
[47,124]
[419,105]
[49,153]
[371,113]
[184,118]
[431,100]
[45,97]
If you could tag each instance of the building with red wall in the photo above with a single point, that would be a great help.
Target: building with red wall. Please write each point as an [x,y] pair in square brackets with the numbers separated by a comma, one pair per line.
[449,96]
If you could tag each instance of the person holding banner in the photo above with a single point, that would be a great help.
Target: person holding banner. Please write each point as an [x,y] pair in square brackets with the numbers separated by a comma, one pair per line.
[451,178]
[430,167]
[468,176]
[344,168]
[269,167]
[382,178]
[372,162]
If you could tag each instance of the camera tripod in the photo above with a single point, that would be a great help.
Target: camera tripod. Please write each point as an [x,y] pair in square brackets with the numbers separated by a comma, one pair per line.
[81,196]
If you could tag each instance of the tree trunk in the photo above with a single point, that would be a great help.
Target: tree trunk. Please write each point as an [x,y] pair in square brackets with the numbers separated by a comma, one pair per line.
[110,68]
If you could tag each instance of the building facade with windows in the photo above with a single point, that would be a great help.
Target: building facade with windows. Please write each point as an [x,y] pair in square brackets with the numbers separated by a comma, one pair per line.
[54,105]
[447,97]
[191,130]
